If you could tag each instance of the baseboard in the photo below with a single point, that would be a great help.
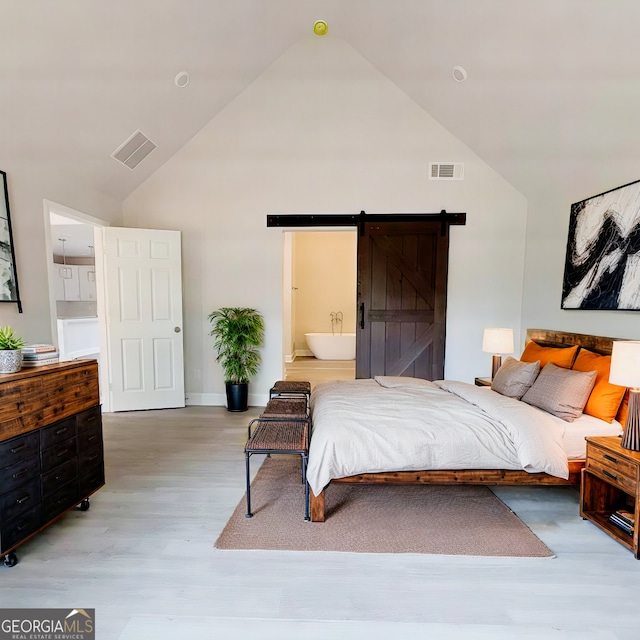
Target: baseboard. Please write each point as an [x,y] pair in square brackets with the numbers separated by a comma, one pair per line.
[220,399]
[304,353]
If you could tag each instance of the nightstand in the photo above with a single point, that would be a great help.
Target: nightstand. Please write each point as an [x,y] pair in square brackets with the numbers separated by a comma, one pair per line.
[611,482]
[483,382]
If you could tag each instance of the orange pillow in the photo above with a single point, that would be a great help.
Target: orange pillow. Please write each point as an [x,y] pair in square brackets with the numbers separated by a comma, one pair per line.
[605,397]
[623,411]
[561,357]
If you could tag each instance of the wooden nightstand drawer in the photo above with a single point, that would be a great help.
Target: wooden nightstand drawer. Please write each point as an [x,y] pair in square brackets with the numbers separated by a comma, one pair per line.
[613,475]
[620,471]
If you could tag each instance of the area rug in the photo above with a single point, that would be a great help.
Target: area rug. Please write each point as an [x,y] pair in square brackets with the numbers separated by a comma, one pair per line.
[432,519]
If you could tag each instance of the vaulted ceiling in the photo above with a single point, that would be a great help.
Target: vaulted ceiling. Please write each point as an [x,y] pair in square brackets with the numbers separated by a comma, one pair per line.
[552,95]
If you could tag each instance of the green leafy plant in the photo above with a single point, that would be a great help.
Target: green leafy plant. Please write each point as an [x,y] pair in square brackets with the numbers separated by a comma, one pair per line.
[9,341]
[238,333]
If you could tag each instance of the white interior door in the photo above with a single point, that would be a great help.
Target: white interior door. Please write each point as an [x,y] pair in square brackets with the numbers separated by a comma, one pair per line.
[143,304]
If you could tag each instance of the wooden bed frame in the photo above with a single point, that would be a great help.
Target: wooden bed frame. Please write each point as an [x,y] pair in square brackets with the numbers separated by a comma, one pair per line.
[543,337]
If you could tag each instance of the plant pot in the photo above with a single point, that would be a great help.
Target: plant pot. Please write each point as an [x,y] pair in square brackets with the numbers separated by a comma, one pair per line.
[10,360]
[237,396]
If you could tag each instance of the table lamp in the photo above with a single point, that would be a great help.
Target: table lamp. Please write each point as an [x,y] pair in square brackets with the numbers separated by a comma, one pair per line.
[497,342]
[625,371]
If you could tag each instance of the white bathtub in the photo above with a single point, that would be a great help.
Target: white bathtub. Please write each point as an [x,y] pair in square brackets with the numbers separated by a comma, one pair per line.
[327,346]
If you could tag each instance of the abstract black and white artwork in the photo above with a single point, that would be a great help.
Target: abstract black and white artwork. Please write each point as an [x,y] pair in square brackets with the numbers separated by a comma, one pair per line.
[8,278]
[602,267]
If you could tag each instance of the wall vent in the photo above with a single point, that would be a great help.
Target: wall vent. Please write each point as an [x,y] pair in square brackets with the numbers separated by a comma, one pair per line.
[446,171]
[134,150]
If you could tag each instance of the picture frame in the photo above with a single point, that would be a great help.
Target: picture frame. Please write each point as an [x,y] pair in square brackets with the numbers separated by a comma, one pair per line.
[9,290]
[602,265]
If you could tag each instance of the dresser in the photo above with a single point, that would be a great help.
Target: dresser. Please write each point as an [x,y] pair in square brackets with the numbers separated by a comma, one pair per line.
[51,447]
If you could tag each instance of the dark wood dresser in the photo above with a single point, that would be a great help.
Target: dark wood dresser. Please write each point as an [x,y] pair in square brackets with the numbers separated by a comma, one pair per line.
[51,449]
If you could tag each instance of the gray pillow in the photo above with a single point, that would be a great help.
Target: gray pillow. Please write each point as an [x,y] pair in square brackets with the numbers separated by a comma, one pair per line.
[561,392]
[514,378]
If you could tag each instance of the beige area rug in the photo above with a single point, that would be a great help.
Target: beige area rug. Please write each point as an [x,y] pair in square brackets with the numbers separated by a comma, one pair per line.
[451,520]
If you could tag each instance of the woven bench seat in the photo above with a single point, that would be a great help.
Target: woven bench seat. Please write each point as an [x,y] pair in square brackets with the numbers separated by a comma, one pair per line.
[276,408]
[290,388]
[278,437]
[288,436]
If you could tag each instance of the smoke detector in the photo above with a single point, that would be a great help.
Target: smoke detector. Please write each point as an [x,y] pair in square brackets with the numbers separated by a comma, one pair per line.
[320,27]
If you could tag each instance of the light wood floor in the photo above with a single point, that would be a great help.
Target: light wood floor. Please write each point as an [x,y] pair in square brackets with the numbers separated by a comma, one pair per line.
[316,371]
[143,556]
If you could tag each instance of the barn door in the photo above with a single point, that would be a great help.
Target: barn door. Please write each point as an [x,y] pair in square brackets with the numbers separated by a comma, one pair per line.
[402,295]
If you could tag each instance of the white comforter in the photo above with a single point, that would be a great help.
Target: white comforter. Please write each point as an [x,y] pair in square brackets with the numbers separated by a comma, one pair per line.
[407,424]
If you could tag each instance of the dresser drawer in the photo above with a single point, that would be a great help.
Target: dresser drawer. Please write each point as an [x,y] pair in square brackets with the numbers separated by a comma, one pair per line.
[20,448]
[14,531]
[19,474]
[91,479]
[59,501]
[58,432]
[90,458]
[53,480]
[20,397]
[53,456]
[90,432]
[19,500]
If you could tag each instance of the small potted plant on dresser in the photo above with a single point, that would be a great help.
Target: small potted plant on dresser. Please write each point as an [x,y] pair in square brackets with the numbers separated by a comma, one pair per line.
[10,350]
[238,333]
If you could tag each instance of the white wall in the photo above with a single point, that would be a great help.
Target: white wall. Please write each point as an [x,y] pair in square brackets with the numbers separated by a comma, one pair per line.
[547,231]
[323,131]
[31,180]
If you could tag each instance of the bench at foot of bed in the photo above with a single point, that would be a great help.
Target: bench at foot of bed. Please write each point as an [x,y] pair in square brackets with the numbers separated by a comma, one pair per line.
[462,476]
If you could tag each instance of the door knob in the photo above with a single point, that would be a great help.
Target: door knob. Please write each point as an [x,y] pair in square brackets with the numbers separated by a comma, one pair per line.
[176,329]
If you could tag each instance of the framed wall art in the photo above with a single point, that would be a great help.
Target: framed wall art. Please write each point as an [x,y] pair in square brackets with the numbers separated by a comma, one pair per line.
[9,291]
[602,266]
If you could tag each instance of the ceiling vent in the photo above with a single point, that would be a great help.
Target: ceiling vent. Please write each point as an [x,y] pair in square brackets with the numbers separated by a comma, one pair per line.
[134,150]
[446,171]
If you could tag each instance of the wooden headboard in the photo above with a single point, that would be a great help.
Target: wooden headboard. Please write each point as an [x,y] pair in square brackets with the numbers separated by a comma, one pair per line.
[548,338]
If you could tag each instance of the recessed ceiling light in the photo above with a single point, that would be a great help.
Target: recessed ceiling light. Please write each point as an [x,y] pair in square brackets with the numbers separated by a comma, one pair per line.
[459,73]
[320,27]
[182,79]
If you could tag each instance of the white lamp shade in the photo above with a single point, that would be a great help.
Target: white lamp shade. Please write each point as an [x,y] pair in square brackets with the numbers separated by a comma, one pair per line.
[497,341]
[625,363]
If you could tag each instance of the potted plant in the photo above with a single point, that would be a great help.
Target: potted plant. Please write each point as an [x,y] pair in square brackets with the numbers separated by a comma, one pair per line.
[10,350]
[238,333]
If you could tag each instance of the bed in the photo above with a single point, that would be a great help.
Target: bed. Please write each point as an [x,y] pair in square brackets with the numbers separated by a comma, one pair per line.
[409,431]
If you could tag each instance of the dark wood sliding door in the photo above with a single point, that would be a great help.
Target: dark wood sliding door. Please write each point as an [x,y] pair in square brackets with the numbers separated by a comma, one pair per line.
[402,296]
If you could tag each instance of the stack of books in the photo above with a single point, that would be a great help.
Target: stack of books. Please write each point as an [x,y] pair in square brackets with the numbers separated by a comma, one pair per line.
[623,519]
[37,355]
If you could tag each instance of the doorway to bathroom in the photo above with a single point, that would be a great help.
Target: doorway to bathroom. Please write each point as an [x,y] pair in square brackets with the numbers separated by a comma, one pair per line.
[320,298]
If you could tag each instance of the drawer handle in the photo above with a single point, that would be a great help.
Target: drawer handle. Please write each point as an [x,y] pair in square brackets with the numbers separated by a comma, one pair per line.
[23,499]
[93,457]
[90,438]
[23,525]
[91,418]
[19,448]
[61,453]
[20,473]
[610,475]
[59,431]
[610,458]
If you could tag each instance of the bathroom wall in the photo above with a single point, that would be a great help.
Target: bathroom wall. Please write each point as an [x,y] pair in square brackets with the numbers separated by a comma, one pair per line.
[324,278]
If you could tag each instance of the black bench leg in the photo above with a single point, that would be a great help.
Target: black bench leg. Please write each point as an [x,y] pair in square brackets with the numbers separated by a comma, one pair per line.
[248,514]
[306,487]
